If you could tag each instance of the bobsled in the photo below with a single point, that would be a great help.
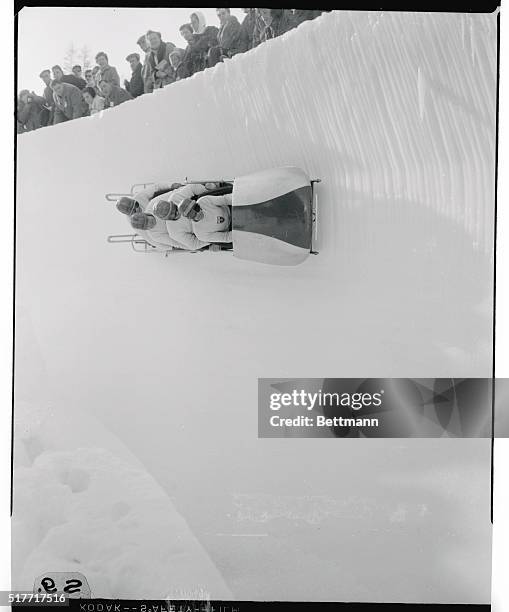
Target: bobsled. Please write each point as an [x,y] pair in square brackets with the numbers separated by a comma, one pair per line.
[274,217]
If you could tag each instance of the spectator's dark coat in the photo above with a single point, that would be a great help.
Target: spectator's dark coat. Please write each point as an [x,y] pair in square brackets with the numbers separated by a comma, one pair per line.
[146,73]
[194,58]
[29,114]
[301,15]
[136,86]
[250,30]
[48,95]
[70,105]
[206,40]
[116,97]
[182,71]
[19,109]
[196,53]
[72,79]
[230,37]
[159,61]
[49,102]
[283,20]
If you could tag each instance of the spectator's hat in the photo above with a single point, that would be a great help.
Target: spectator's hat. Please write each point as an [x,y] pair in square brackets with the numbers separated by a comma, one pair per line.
[132,56]
[142,221]
[127,206]
[167,211]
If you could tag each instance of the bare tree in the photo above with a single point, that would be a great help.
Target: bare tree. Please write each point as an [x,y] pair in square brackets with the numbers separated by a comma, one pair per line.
[86,59]
[70,58]
[75,56]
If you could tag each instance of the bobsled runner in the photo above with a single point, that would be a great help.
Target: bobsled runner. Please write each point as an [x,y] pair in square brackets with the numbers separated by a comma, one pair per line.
[274,217]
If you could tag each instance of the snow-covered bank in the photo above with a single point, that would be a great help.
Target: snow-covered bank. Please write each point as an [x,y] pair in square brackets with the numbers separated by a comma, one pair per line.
[395,113]
[83,502]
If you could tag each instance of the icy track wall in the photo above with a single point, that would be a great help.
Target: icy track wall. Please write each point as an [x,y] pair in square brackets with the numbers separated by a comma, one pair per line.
[396,114]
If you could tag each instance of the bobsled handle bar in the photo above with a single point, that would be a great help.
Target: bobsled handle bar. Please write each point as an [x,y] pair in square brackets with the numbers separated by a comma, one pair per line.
[113,197]
[118,238]
[195,182]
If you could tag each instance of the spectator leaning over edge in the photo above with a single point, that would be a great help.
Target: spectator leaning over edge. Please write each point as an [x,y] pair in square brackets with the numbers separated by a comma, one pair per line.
[94,101]
[113,94]
[230,40]
[107,73]
[69,102]
[205,38]
[148,81]
[159,60]
[30,109]
[135,86]
[191,60]
[180,68]
[250,29]
[48,96]
[58,75]
[277,22]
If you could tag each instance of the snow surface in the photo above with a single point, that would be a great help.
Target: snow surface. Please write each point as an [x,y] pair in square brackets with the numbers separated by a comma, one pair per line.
[150,364]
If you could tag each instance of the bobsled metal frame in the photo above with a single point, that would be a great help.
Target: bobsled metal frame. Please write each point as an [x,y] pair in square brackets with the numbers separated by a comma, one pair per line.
[314,215]
[139,245]
[113,197]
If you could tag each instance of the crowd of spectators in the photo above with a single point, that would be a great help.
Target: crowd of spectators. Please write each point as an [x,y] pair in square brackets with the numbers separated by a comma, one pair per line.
[157,64]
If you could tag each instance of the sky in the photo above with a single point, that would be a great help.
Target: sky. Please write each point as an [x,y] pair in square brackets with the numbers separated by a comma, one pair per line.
[45,34]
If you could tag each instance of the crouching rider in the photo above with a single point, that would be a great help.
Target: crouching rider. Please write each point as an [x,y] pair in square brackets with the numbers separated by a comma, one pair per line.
[152,230]
[155,229]
[180,228]
[210,217]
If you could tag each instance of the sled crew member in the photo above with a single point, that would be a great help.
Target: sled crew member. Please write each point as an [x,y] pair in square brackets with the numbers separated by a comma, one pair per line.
[210,217]
[144,201]
[145,196]
[156,230]
[129,206]
[179,228]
